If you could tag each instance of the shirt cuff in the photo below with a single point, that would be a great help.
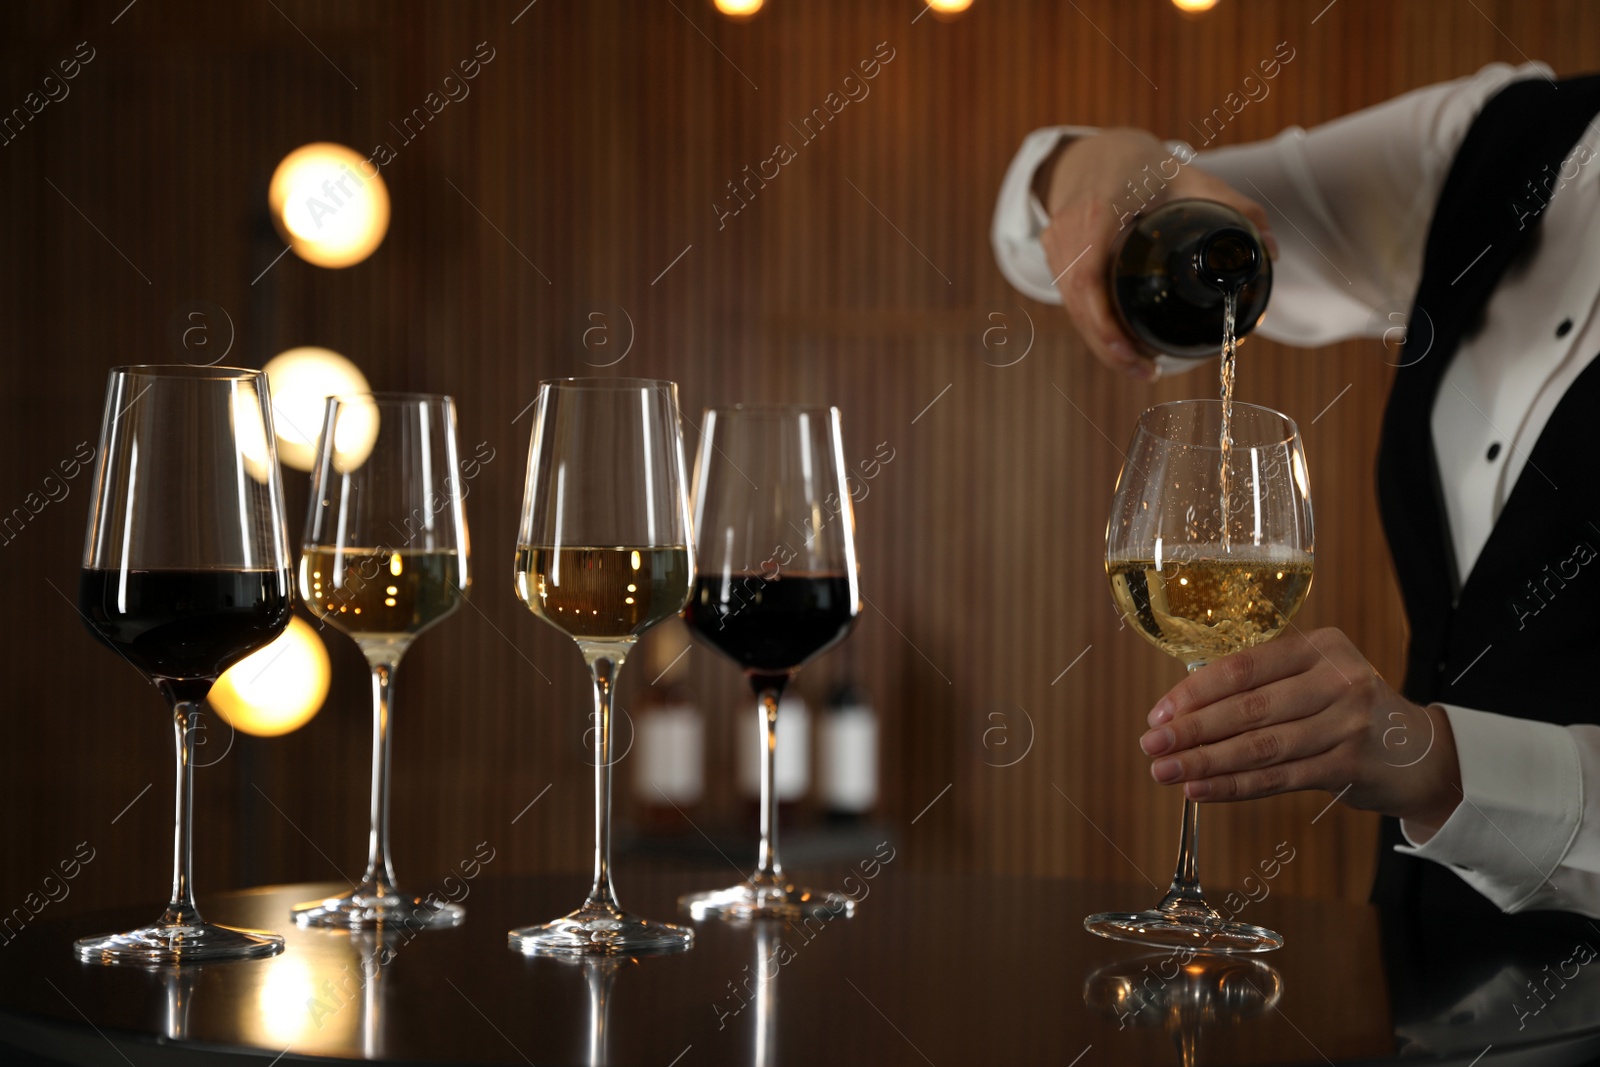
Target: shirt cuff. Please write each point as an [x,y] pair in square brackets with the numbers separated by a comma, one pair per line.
[1019,218]
[1521,806]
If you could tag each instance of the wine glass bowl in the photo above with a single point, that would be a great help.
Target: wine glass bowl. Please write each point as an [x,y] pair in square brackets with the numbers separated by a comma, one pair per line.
[385,557]
[604,552]
[1208,552]
[185,572]
[1197,573]
[777,586]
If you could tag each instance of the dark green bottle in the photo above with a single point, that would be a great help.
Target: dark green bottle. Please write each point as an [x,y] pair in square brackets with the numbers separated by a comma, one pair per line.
[1174,268]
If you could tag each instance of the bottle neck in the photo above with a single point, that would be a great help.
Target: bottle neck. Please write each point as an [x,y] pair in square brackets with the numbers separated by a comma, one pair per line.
[1227,258]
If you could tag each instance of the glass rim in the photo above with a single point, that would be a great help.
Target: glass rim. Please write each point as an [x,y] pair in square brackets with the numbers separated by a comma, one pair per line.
[388,396]
[772,409]
[596,382]
[1238,405]
[186,371]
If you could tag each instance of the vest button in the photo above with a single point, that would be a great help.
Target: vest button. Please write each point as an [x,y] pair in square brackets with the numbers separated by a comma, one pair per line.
[1494,450]
[1565,328]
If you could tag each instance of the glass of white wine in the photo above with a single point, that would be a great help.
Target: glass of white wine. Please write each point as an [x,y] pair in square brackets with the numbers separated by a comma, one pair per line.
[604,553]
[1209,551]
[385,557]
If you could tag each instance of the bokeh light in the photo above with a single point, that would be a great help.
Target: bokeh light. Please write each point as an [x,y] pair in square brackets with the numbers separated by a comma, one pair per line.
[277,688]
[949,7]
[355,431]
[301,380]
[738,9]
[330,204]
[250,431]
[1194,6]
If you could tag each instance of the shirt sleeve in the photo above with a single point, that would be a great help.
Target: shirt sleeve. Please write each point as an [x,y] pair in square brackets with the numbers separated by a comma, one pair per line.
[1349,201]
[1527,831]
[1019,218]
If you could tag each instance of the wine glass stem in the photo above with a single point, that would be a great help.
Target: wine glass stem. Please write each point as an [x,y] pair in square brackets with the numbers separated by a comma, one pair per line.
[379,879]
[768,870]
[1186,879]
[603,667]
[1185,895]
[181,910]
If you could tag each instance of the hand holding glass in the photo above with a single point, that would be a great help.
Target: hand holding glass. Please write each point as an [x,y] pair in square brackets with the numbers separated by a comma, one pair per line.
[1207,554]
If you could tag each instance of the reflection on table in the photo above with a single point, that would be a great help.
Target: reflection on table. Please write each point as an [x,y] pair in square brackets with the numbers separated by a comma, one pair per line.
[931,966]
[328,1001]
[1185,994]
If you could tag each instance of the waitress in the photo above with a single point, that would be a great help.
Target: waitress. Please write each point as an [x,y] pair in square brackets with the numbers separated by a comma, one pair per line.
[1474,204]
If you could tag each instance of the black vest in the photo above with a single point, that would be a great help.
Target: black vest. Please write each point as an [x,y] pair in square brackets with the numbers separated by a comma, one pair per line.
[1519,637]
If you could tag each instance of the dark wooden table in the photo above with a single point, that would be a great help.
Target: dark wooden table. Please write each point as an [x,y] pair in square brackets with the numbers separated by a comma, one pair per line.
[934,970]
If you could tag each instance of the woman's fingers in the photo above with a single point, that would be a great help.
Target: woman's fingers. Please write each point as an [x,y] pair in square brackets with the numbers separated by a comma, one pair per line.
[1242,671]
[1078,247]
[1301,774]
[1286,700]
[1253,750]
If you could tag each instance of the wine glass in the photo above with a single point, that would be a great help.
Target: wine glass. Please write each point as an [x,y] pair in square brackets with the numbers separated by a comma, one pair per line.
[185,572]
[777,586]
[604,553]
[385,557]
[1209,551]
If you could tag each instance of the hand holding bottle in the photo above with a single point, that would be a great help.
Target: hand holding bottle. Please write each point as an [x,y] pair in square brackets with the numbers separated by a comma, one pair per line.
[1085,188]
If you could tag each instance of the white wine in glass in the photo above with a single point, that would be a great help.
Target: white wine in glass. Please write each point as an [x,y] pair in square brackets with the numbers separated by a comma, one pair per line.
[385,557]
[604,552]
[1209,552]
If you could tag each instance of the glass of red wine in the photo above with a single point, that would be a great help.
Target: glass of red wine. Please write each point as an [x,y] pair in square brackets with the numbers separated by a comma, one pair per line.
[776,586]
[185,572]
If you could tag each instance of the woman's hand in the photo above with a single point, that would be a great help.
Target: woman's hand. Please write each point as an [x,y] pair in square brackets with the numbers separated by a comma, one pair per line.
[1305,712]
[1089,191]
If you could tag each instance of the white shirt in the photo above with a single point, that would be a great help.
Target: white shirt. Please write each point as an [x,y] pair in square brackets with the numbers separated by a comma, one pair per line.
[1350,203]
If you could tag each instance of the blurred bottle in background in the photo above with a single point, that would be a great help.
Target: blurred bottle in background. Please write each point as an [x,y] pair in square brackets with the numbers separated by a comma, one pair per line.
[847,756]
[669,731]
[794,755]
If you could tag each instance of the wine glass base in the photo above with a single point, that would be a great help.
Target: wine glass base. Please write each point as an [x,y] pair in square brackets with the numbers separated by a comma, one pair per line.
[761,901]
[363,910]
[198,942]
[1180,931]
[599,930]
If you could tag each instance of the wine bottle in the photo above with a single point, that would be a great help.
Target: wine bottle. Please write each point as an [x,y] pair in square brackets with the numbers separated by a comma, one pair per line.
[1174,269]
[669,737]
[847,774]
[794,754]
